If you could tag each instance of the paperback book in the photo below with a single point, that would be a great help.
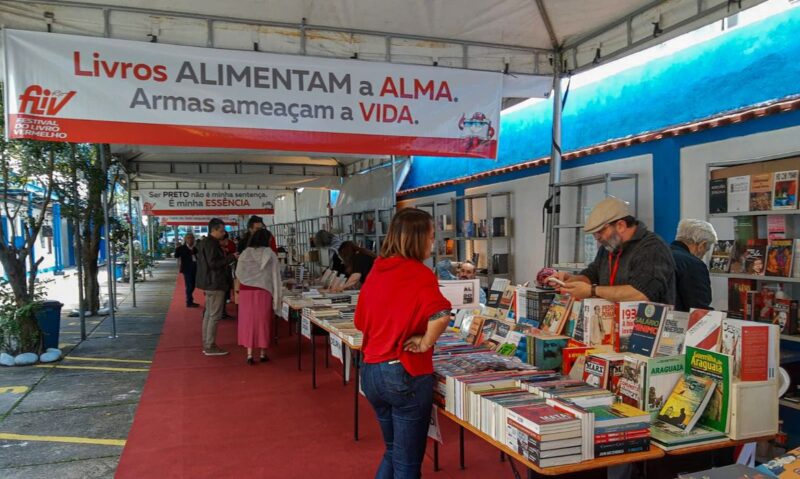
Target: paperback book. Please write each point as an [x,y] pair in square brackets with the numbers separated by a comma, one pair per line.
[717,367]
[753,347]
[761,192]
[779,257]
[599,317]
[647,328]
[718,195]
[660,377]
[673,334]
[623,326]
[755,255]
[784,193]
[686,403]
[703,329]
[721,256]
[739,193]
[556,317]
[737,295]
[784,315]
[547,351]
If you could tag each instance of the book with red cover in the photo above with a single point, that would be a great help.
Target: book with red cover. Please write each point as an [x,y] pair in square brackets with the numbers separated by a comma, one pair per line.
[623,324]
[737,295]
[703,330]
[541,418]
[570,354]
[748,343]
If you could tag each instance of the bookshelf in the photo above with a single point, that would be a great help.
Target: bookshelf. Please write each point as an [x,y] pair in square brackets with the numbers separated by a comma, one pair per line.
[570,245]
[485,233]
[772,279]
[366,228]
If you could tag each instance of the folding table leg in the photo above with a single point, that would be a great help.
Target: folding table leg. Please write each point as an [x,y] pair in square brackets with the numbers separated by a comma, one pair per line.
[461,446]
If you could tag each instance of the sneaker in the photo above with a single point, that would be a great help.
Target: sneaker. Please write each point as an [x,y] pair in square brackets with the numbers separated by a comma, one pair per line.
[215,351]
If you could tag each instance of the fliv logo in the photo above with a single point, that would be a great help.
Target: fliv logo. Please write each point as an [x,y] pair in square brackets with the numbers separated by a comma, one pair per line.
[41,101]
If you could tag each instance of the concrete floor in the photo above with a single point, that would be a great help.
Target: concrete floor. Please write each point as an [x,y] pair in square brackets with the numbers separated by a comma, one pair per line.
[71,420]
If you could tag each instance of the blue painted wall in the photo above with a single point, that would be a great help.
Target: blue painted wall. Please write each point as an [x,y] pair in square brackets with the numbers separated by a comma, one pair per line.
[746,66]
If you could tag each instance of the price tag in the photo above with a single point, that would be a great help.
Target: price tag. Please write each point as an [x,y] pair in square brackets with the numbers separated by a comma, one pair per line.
[285,311]
[305,327]
[336,347]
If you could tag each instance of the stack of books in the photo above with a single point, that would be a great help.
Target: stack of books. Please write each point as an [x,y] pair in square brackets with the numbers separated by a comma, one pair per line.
[620,429]
[544,435]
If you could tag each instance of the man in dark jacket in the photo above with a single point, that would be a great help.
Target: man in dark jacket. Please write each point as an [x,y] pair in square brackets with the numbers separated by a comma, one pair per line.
[187,261]
[213,277]
[694,239]
[634,264]
[254,224]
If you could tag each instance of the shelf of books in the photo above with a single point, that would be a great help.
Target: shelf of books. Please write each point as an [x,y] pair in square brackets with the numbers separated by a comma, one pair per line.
[484,235]
[753,206]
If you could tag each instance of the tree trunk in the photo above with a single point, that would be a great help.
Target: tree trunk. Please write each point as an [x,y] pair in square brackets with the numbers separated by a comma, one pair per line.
[16,272]
[91,285]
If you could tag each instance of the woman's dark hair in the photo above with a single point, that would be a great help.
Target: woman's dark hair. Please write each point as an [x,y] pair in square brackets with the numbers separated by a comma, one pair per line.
[408,235]
[259,238]
[348,251]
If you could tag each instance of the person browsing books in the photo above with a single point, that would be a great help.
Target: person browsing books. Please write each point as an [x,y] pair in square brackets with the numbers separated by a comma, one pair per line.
[693,241]
[259,294]
[358,263]
[634,264]
[326,240]
[402,313]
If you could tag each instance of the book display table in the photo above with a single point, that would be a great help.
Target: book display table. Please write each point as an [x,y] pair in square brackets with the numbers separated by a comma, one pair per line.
[533,469]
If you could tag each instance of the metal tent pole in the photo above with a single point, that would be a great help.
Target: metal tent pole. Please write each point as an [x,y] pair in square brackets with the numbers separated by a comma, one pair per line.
[551,241]
[109,259]
[78,250]
[131,261]
[394,182]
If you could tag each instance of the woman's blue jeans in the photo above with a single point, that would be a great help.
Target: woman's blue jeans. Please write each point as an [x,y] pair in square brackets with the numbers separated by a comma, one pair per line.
[403,405]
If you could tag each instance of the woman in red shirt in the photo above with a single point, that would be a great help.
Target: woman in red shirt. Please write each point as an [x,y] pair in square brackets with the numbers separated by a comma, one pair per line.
[402,313]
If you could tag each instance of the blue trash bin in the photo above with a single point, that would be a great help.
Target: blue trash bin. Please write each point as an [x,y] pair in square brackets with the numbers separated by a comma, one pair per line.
[119,270]
[49,319]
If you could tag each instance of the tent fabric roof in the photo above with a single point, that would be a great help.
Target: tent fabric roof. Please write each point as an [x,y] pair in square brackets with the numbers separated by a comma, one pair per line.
[517,36]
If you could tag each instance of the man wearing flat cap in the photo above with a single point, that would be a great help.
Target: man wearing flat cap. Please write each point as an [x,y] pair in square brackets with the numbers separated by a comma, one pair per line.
[634,264]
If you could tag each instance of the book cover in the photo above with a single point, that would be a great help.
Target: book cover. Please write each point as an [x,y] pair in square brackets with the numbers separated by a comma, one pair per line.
[475,330]
[623,325]
[574,321]
[754,257]
[718,195]
[557,314]
[660,377]
[547,351]
[760,304]
[507,298]
[595,372]
[631,383]
[761,192]
[647,328]
[716,366]
[737,295]
[732,471]
[776,227]
[784,315]
[721,256]
[751,345]
[703,329]
[599,316]
[570,355]
[779,257]
[796,266]
[673,334]
[532,304]
[739,193]
[686,402]
[784,192]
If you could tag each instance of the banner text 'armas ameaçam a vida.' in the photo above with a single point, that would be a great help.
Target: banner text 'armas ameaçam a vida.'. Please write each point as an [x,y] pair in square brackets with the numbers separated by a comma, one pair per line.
[85,89]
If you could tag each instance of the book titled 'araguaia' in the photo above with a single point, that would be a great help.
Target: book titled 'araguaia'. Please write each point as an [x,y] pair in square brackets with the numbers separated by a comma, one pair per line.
[718,367]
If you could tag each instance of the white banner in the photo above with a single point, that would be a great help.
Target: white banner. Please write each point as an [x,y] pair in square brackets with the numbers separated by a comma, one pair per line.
[207,202]
[195,220]
[102,90]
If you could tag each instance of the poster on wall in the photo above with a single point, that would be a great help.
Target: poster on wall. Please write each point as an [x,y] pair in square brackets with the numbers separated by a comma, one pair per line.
[207,203]
[100,90]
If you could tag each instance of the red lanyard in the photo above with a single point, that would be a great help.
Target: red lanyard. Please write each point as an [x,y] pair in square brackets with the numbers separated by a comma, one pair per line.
[614,268]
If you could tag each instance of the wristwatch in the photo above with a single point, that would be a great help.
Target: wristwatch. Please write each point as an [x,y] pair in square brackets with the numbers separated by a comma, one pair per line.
[594,291]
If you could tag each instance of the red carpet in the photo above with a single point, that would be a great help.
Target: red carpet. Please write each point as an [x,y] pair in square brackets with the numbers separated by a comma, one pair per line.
[218,417]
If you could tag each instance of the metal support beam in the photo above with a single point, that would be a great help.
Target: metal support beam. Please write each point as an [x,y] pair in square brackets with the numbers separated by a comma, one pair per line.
[551,239]
[394,182]
[131,253]
[547,24]
[109,258]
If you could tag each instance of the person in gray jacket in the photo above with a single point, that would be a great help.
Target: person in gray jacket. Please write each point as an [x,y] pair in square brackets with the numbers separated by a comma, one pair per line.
[214,279]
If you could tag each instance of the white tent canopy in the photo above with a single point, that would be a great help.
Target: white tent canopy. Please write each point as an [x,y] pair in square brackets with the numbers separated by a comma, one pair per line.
[520,37]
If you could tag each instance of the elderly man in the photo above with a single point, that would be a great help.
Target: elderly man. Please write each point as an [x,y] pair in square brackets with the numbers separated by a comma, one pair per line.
[187,262]
[634,264]
[694,239]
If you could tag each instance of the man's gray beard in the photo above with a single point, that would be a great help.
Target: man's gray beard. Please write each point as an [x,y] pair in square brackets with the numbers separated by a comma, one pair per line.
[612,243]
